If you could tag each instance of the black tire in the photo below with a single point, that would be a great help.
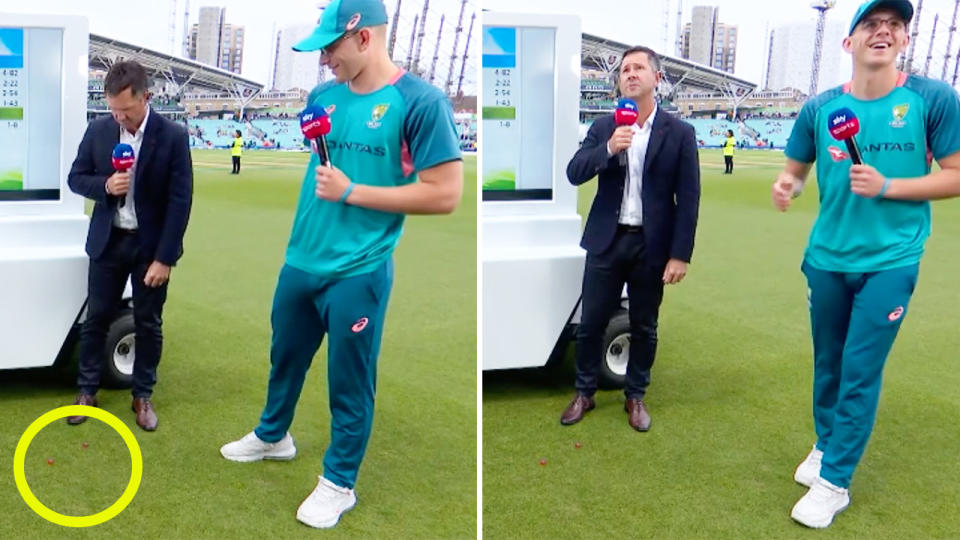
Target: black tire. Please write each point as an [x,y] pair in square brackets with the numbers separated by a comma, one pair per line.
[119,352]
[616,352]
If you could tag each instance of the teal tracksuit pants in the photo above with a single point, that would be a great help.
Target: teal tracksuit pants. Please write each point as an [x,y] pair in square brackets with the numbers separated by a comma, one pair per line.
[854,318]
[351,311]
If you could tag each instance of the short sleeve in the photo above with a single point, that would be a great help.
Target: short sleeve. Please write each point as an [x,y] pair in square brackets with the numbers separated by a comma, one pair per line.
[430,132]
[943,136]
[802,145]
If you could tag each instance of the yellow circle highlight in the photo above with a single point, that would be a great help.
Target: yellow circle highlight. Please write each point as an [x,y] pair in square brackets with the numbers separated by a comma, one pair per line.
[19,458]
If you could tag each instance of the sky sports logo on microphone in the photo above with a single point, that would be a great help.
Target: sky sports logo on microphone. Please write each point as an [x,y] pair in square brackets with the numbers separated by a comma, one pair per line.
[122,157]
[627,112]
[314,122]
[843,124]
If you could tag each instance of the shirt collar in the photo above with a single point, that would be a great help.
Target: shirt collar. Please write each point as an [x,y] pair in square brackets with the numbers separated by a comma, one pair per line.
[648,123]
[143,124]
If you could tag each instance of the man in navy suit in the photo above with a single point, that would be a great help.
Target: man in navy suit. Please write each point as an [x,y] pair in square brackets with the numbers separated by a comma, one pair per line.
[139,219]
[640,229]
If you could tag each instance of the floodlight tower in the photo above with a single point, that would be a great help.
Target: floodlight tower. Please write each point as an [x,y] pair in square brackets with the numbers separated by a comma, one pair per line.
[679,44]
[821,6]
[953,29]
[666,26]
[907,62]
[172,26]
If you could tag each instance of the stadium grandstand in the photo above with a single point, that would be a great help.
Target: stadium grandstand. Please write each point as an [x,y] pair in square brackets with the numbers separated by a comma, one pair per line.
[172,76]
[213,103]
[712,100]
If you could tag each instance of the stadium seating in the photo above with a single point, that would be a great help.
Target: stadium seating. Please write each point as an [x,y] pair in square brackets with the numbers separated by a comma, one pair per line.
[752,133]
[775,130]
[279,133]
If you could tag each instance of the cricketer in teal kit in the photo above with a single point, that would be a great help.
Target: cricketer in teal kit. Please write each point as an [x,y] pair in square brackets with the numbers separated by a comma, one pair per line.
[864,251]
[393,150]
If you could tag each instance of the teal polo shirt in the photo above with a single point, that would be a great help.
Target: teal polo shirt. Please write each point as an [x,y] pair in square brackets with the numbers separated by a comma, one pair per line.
[378,139]
[899,135]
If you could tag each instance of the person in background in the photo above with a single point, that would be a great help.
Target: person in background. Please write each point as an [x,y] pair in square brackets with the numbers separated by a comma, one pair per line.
[728,145]
[236,151]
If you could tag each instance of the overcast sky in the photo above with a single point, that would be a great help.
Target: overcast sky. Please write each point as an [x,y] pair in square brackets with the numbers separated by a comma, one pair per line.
[147,23]
[641,22]
[631,21]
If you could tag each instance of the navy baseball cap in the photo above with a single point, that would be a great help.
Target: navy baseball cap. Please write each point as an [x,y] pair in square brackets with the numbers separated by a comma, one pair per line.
[340,17]
[903,8]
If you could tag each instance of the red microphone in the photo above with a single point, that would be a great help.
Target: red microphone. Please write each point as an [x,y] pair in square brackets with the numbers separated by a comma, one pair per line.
[843,125]
[626,115]
[123,160]
[315,125]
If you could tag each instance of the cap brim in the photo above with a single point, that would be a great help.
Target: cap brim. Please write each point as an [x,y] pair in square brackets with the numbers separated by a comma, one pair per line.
[317,40]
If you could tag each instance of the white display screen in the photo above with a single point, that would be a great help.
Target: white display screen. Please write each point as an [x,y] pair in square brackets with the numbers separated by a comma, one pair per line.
[519,81]
[30,113]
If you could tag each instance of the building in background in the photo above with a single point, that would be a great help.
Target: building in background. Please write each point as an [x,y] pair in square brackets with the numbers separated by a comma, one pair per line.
[708,41]
[294,69]
[215,42]
[791,56]
[767,104]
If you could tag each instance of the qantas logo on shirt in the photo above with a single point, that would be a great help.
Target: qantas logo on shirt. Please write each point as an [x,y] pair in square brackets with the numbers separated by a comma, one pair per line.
[895,314]
[837,154]
[889,147]
[378,151]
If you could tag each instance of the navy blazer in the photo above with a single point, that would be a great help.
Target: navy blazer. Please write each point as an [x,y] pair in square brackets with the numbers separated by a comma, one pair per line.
[670,193]
[162,187]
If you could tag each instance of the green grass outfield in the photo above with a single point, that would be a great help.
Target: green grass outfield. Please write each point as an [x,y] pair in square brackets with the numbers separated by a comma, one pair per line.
[419,476]
[731,400]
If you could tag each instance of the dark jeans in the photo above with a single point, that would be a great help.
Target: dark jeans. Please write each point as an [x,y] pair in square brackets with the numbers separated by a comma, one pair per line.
[728,161]
[625,261]
[105,283]
[236,164]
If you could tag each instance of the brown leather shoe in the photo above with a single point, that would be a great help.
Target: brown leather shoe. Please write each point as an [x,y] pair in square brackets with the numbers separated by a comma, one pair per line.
[576,409]
[637,414]
[82,399]
[146,416]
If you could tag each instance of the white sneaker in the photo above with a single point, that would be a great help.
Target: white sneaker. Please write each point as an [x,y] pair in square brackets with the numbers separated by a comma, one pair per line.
[809,469]
[817,508]
[251,448]
[324,506]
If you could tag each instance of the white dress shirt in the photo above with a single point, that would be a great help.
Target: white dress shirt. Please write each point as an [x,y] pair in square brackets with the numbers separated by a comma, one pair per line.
[631,208]
[126,216]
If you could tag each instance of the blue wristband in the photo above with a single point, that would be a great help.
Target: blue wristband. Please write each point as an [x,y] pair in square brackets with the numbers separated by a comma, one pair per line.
[346,193]
[883,190]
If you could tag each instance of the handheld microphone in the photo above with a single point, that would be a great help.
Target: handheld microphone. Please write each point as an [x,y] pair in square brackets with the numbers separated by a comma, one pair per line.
[843,125]
[315,125]
[626,115]
[123,159]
